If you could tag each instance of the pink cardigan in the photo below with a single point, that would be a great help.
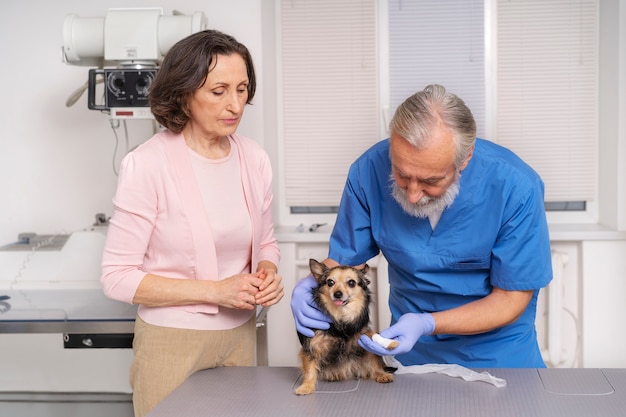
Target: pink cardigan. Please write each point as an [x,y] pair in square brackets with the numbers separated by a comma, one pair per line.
[160,226]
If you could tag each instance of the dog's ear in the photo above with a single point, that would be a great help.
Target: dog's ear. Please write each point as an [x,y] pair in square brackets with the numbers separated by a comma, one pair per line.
[365,281]
[317,268]
[364,269]
[362,274]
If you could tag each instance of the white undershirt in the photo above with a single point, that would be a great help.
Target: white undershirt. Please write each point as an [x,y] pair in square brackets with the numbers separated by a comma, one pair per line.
[434,219]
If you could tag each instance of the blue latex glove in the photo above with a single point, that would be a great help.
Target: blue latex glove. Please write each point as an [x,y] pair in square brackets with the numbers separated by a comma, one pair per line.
[305,312]
[409,328]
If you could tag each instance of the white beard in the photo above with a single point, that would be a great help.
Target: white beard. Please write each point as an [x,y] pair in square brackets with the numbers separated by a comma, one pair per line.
[426,206]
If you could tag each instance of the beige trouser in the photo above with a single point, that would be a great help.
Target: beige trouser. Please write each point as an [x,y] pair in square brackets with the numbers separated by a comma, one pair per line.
[164,357]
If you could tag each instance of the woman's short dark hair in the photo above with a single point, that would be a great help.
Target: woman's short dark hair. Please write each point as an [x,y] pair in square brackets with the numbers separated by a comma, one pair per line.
[184,69]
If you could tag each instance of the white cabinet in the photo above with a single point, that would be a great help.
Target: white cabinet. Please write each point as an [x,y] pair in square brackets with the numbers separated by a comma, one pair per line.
[602,301]
[282,339]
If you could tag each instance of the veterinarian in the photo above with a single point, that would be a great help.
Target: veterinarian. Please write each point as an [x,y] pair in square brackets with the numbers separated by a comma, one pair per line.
[461,222]
[191,240]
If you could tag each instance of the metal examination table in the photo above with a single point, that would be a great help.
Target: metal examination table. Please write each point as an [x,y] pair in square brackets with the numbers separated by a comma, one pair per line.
[268,391]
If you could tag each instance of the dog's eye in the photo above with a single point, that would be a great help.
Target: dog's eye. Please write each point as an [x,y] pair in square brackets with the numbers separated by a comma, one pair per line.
[330,282]
[352,283]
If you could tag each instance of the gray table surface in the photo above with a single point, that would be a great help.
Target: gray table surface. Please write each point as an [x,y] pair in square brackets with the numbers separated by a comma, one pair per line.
[268,391]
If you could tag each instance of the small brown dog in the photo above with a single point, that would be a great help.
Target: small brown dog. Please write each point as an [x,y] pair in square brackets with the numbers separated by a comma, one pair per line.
[334,355]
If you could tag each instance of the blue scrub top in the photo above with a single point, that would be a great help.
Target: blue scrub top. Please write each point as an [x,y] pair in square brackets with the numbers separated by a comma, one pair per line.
[494,234]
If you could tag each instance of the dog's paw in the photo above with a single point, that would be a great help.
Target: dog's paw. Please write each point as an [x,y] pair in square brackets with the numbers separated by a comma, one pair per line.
[394,344]
[304,389]
[384,378]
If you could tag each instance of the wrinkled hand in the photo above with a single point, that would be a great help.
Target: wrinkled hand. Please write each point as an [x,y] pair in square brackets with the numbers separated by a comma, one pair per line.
[238,291]
[409,328]
[272,288]
[305,313]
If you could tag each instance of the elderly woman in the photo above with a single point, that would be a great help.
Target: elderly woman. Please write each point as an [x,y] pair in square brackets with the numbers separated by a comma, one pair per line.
[191,240]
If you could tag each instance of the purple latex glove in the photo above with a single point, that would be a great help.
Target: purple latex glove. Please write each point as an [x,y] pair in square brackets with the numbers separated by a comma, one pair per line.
[409,328]
[305,312]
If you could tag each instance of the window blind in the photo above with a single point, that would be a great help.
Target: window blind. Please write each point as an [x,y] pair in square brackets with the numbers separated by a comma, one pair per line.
[438,42]
[329,95]
[547,91]
[545,84]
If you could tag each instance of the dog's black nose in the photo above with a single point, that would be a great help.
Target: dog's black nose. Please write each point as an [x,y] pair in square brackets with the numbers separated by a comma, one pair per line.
[337,294]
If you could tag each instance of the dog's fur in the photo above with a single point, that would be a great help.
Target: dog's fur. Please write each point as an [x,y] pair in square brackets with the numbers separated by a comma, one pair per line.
[334,354]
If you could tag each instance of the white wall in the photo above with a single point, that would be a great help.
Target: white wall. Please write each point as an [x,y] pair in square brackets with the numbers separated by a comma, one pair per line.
[56,162]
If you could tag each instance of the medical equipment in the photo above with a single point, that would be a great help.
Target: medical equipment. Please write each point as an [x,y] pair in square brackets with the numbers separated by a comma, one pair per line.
[126,46]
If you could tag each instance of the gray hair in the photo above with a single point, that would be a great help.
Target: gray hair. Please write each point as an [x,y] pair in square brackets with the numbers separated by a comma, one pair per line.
[421,112]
